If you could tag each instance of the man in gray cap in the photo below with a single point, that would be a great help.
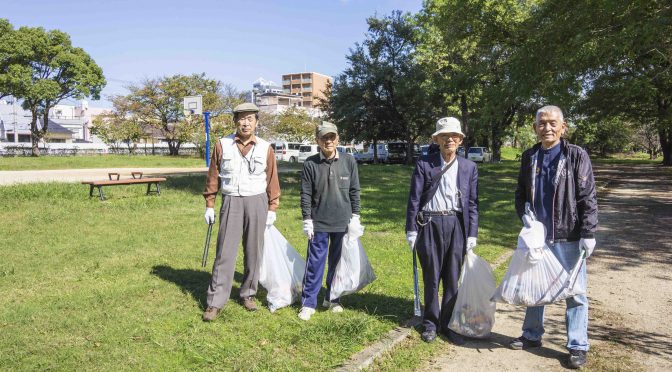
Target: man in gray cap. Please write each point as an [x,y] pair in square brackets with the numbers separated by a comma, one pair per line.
[243,168]
[329,205]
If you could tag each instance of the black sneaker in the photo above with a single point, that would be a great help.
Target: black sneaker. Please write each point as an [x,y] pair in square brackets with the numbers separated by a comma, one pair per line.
[428,336]
[577,358]
[455,338]
[522,343]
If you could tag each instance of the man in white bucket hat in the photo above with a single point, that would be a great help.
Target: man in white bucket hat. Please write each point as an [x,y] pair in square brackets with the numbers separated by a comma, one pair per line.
[442,223]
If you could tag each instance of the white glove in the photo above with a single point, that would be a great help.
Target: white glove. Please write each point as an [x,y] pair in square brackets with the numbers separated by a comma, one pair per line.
[411,236]
[308,229]
[270,218]
[209,216]
[354,222]
[588,245]
[471,243]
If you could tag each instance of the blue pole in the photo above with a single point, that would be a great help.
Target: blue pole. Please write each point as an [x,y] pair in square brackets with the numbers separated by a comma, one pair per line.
[207,138]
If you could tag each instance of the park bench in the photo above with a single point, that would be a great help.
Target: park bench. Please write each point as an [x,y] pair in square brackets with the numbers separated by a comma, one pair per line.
[137,179]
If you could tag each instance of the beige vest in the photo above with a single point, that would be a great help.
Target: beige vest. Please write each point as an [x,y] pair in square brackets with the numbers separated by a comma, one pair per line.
[243,176]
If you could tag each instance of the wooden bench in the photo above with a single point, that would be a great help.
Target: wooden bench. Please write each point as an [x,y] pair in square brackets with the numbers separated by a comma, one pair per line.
[129,181]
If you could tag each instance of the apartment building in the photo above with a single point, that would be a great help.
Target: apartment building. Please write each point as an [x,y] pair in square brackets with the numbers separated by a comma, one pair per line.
[309,85]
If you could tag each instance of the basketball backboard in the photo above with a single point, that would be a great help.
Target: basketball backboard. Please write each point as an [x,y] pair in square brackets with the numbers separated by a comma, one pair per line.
[193,105]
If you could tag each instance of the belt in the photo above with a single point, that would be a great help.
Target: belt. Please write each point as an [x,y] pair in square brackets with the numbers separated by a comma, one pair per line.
[441,213]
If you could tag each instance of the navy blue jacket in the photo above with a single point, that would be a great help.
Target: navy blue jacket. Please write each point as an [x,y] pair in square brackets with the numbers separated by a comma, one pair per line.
[422,191]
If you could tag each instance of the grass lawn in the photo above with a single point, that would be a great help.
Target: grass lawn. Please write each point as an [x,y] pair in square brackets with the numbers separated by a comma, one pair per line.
[117,284]
[98,161]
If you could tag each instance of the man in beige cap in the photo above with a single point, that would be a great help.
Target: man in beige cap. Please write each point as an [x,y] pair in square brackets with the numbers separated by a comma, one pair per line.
[329,206]
[243,168]
[442,224]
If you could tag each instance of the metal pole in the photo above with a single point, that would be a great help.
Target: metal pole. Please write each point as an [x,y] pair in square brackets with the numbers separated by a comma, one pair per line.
[206,114]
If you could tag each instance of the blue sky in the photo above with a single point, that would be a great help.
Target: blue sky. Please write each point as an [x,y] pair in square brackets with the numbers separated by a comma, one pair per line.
[233,41]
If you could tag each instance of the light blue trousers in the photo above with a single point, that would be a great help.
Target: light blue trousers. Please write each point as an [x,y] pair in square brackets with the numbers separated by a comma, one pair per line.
[576,314]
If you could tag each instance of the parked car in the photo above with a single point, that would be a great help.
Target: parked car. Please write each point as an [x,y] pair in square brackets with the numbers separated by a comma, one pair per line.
[307,150]
[396,152]
[367,156]
[287,151]
[346,149]
[479,155]
[460,151]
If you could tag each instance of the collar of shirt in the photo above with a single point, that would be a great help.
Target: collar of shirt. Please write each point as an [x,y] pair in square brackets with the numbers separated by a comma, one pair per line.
[252,140]
[322,157]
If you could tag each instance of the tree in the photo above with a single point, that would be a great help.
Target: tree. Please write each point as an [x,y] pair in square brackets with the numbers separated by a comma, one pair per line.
[467,48]
[119,125]
[159,103]
[380,95]
[43,70]
[610,59]
[294,125]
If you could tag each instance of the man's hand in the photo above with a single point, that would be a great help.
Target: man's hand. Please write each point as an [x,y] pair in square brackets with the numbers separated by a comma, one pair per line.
[527,221]
[354,222]
[471,243]
[270,218]
[411,237]
[308,229]
[588,245]
[209,216]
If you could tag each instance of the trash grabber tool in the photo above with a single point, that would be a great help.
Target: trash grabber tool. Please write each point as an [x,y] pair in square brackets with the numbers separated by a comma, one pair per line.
[207,245]
[416,288]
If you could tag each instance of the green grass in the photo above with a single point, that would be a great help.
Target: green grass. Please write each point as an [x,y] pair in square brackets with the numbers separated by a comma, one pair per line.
[98,161]
[117,284]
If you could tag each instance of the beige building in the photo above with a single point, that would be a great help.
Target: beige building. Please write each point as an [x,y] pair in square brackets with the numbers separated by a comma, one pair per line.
[309,85]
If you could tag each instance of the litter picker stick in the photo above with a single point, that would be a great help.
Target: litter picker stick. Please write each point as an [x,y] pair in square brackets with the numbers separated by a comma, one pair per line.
[207,245]
[416,289]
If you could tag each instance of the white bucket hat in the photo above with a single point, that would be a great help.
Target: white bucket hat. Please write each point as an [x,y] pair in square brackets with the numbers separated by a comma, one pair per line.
[448,125]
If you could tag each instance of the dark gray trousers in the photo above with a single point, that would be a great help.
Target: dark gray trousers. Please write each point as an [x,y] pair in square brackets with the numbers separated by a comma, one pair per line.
[240,216]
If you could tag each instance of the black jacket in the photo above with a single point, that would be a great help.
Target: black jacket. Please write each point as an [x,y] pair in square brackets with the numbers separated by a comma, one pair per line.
[574,200]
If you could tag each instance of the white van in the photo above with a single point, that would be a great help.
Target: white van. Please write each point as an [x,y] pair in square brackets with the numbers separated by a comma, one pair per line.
[287,151]
[367,156]
[346,150]
[307,150]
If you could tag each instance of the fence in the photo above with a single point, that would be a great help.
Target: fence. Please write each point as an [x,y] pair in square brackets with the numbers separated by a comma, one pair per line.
[74,149]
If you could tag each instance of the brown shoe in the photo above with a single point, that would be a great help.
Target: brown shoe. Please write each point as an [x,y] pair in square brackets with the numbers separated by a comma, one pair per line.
[250,304]
[211,313]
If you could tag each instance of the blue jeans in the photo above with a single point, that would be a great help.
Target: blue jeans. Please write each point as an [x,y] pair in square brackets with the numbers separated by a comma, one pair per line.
[576,315]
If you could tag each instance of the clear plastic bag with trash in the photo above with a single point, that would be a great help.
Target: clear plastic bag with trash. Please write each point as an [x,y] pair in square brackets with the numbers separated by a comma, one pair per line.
[353,271]
[474,312]
[282,270]
[535,277]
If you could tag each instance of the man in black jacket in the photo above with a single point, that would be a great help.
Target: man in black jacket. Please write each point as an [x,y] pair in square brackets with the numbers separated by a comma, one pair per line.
[556,179]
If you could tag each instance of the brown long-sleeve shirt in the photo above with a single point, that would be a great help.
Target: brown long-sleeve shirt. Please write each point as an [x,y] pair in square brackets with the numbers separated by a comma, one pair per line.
[212,178]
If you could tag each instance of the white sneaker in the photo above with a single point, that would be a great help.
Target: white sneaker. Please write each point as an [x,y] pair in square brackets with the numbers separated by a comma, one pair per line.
[333,306]
[306,313]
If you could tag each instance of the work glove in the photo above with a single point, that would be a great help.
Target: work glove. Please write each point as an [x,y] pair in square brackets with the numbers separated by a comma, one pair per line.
[411,236]
[354,223]
[471,243]
[209,216]
[588,245]
[270,218]
[308,229]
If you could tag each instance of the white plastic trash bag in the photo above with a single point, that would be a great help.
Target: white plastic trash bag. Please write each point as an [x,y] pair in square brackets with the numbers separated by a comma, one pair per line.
[282,270]
[535,277]
[474,312]
[353,271]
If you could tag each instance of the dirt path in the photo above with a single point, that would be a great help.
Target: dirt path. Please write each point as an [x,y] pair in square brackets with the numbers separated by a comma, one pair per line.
[630,288]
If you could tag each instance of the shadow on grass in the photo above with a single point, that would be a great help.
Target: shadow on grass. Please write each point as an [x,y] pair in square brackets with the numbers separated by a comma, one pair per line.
[193,282]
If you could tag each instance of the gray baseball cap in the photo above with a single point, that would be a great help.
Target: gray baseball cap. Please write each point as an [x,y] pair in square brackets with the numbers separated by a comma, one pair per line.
[246,107]
[325,128]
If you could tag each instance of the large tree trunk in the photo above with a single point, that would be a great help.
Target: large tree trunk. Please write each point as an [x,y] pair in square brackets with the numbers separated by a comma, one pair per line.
[34,135]
[497,132]
[665,135]
[464,116]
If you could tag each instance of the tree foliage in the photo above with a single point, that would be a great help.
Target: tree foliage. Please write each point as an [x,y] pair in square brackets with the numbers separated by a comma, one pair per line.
[42,68]
[120,125]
